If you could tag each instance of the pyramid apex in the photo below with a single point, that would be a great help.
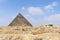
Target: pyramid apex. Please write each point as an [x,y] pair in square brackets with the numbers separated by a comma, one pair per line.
[19,14]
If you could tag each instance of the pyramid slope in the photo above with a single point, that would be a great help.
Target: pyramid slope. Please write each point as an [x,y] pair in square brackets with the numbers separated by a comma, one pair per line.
[19,21]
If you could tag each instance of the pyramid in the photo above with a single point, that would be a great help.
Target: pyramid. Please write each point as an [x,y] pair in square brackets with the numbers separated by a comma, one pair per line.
[20,21]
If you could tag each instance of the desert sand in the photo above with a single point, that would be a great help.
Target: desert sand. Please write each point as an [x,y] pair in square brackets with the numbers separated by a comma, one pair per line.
[43,32]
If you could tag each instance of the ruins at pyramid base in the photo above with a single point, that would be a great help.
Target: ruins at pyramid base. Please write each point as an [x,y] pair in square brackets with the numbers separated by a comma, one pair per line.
[43,32]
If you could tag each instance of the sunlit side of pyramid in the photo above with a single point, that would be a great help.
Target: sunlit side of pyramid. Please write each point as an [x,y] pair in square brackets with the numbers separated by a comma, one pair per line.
[20,21]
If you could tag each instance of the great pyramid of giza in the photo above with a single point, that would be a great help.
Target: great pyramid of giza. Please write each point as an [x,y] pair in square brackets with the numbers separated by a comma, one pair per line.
[20,21]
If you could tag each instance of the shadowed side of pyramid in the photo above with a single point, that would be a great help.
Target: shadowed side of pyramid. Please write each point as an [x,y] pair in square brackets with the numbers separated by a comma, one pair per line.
[20,21]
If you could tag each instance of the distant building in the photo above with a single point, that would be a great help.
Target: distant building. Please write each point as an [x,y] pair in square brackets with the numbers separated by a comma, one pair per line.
[20,21]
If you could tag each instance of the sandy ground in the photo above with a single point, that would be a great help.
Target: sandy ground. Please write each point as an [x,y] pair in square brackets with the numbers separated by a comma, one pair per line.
[43,32]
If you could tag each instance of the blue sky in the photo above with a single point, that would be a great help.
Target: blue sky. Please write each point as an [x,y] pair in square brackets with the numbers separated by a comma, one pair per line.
[37,12]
